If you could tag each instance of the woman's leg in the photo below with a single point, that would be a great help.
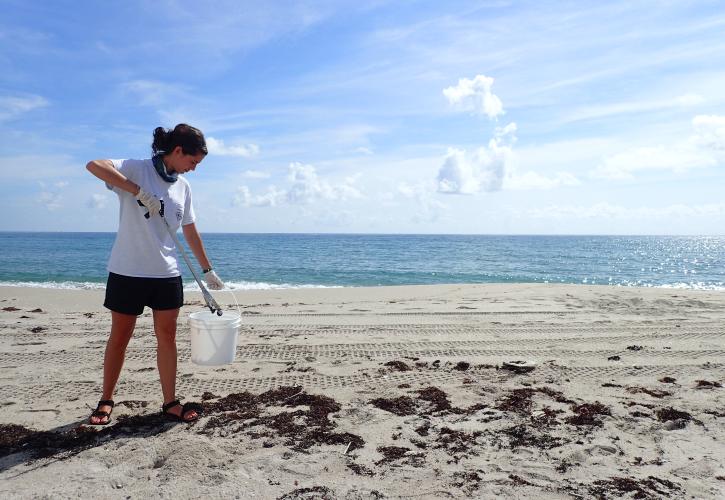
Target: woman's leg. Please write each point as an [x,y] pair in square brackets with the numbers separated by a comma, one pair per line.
[165,329]
[122,326]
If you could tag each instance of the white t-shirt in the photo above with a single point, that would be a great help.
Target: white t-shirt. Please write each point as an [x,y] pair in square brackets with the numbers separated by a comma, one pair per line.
[143,247]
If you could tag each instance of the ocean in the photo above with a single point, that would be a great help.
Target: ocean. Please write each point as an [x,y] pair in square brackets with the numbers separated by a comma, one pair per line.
[266,261]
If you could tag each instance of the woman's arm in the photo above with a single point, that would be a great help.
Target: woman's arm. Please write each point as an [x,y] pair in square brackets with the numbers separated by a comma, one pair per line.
[193,238]
[104,170]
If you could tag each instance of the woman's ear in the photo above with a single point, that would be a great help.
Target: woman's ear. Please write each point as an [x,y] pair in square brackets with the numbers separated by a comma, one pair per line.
[177,151]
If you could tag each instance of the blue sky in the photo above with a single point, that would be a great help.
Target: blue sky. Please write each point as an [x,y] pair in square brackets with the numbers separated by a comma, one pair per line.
[374,117]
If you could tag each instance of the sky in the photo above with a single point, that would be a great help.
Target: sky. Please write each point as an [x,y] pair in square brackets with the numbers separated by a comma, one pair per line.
[490,117]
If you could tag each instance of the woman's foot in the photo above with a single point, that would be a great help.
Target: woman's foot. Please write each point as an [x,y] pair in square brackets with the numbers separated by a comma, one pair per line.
[102,414]
[188,412]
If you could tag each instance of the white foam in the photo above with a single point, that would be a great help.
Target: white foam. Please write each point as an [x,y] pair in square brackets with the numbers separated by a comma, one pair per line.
[190,286]
[61,285]
[251,285]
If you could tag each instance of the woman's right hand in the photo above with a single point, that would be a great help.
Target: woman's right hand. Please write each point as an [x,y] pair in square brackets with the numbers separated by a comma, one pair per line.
[214,282]
[151,202]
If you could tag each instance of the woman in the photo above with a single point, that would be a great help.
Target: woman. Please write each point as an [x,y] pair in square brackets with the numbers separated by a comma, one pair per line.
[143,267]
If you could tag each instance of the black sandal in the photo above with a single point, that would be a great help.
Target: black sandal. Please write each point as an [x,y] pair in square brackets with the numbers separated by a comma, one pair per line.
[185,408]
[98,413]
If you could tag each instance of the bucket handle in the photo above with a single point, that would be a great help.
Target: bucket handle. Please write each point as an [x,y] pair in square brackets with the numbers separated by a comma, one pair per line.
[235,301]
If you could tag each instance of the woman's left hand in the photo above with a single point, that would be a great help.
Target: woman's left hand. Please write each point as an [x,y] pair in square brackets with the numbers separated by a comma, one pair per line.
[214,282]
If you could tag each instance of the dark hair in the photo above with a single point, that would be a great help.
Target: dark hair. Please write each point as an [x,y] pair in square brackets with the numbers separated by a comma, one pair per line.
[190,139]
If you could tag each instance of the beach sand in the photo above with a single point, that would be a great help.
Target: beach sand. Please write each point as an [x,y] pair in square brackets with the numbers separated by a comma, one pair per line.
[390,392]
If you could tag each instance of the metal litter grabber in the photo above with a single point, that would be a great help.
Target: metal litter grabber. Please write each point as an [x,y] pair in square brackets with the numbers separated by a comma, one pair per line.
[210,302]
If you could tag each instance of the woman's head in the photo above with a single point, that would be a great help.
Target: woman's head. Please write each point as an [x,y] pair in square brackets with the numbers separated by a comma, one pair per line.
[189,138]
[182,148]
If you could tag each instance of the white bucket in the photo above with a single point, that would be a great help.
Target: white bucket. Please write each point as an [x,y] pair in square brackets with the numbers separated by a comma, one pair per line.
[214,338]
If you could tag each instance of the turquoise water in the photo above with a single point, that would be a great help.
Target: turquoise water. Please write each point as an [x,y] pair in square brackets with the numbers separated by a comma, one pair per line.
[249,261]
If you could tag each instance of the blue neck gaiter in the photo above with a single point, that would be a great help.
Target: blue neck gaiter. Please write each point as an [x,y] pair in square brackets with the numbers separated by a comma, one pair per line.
[161,169]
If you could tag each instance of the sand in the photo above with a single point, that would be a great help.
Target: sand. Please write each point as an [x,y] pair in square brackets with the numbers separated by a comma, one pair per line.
[390,392]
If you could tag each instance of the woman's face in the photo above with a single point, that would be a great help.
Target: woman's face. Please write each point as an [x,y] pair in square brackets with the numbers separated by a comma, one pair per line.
[181,163]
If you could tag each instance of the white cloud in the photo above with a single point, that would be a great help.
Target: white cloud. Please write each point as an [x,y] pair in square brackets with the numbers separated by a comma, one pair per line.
[482,170]
[12,106]
[703,148]
[306,188]
[475,96]
[493,168]
[364,151]
[217,147]
[271,198]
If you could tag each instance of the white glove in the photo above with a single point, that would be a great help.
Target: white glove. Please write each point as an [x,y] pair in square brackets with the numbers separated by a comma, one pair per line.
[151,202]
[213,280]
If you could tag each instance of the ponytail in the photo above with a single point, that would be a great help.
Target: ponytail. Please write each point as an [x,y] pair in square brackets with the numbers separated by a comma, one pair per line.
[191,140]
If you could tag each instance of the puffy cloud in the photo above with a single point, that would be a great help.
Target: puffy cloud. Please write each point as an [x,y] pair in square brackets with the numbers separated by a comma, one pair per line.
[217,147]
[306,188]
[271,198]
[475,96]
[492,168]
[483,170]
[12,106]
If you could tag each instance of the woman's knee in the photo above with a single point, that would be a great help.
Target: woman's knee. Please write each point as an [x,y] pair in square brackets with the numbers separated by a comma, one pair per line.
[166,334]
[119,339]
[165,325]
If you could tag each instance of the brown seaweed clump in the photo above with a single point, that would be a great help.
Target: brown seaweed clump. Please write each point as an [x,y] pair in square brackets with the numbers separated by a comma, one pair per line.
[396,453]
[588,414]
[469,481]
[398,366]
[315,492]
[521,400]
[430,400]
[401,406]
[521,436]
[705,384]
[458,444]
[665,414]
[301,429]
[650,488]
[436,397]
[655,393]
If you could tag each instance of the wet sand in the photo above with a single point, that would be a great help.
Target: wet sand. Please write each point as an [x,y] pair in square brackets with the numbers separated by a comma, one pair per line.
[390,392]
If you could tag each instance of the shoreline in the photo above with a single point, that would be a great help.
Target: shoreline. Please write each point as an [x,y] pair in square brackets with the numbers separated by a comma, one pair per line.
[263,286]
[404,387]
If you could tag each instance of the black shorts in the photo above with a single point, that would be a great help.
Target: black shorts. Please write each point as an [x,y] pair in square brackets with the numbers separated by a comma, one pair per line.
[129,295]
